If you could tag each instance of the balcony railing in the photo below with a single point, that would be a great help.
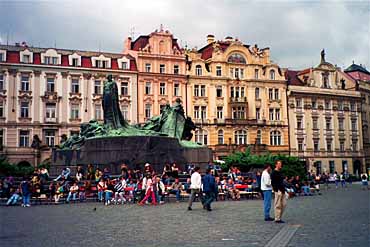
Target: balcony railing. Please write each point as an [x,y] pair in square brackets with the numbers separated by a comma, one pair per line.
[238,99]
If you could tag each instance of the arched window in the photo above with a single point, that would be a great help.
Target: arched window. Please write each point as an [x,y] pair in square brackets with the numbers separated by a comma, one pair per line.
[220,135]
[236,58]
[259,137]
[275,138]
[272,74]
[198,70]
[201,136]
[240,137]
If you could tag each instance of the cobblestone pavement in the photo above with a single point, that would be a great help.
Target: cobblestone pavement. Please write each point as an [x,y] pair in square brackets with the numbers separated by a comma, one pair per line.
[336,218]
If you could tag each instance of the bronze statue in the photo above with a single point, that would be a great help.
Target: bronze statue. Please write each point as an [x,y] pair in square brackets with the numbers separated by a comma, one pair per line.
[112,114]
[172,123]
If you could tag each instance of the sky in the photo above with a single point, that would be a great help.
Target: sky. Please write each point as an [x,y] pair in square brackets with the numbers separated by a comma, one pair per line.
[296,31]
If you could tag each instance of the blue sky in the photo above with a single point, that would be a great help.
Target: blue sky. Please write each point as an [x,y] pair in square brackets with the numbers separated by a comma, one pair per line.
[295,31]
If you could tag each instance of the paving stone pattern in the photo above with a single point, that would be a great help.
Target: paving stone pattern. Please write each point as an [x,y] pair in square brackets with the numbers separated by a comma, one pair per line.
[336,218]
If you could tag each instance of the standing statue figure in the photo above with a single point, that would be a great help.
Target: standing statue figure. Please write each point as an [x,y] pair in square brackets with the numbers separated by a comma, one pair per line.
[112,114]
[323,56]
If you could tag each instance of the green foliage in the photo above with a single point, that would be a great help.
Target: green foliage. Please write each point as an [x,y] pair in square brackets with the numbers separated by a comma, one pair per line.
[7,168]
[246,161]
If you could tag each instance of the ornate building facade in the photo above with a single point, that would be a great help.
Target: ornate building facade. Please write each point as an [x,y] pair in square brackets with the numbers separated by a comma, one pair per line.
[325,119]
[50,92]
[237,97]
[161,67]
[362,77]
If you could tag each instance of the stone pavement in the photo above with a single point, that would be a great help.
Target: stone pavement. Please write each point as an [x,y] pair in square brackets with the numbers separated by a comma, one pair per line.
[336,218]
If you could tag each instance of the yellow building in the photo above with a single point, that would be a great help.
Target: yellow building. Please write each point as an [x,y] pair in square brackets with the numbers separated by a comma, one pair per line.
[237,97]
[325,119]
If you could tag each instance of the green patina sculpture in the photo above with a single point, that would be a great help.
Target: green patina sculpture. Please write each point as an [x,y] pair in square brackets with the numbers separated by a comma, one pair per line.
[172,123]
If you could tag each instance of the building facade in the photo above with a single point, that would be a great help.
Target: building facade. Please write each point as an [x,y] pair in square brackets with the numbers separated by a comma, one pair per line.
[237,97]
[325,119]
[50,92]
[362,77]
[161,67]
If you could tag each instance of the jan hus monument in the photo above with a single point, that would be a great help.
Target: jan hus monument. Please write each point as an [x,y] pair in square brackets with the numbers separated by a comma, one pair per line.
[162,139]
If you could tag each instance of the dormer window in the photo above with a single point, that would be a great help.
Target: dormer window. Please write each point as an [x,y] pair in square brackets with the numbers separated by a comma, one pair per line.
[74,62]
[325,80]
[176,69]
[2,55]
[198,70]
[50,60]
[272,74]
[123,63]
[26,56]
[51,57]
[102,62]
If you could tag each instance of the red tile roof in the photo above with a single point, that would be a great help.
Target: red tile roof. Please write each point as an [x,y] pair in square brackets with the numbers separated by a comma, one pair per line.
[13,56]
[292,78]
[140,42]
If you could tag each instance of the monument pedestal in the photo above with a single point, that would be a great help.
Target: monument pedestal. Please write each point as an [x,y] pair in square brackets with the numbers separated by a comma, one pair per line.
[134,151]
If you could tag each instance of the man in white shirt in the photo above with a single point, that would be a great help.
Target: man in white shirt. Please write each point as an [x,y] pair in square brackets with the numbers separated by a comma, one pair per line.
[267,191]
[195,186]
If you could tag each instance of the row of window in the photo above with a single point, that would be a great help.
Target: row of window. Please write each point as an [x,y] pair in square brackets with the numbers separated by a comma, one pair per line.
[328,123]
[201,136]
[327,105]
[162,68]
[50,111]
[236,73]
[162,89]
[240,137]
[329,145]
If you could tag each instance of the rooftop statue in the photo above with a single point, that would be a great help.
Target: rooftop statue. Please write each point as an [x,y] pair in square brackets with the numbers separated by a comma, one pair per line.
[172,123]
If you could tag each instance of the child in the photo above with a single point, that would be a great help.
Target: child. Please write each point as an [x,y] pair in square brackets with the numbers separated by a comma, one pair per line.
[108,192]
[102,185]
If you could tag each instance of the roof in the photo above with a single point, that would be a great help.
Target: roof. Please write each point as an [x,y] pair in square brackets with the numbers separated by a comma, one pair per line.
[14,56]
[207,50]
[356,68]
[292,77]
[63,51]
[143,41]
[140,42]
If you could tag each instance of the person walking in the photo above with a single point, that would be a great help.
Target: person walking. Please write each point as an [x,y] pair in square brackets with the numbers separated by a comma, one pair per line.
[195,187]
[209,188]
[277,182]
[267,192]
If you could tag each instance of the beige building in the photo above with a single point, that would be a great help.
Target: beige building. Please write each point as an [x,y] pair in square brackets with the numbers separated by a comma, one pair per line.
[161,67]
[325,119]
[237,97]
[50,92]
[362,77]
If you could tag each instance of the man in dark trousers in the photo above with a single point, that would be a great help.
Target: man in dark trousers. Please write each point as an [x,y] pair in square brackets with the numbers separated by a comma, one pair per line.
[209,188]
[277,182]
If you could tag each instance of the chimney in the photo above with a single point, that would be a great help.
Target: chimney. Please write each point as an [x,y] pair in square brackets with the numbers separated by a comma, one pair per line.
[228,39]
[210,38]
[127,44]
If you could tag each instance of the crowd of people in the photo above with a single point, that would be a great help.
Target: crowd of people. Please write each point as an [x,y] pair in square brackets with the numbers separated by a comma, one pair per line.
[146,186]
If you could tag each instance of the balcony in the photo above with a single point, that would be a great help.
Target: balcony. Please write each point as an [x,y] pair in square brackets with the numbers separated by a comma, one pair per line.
[219,121]
[50,120]
[237,121]
[238,100]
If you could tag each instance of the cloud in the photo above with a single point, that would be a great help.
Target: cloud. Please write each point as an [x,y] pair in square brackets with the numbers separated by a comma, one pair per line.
[295,31]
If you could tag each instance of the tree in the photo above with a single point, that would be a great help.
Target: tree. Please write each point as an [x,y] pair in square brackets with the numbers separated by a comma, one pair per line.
[245,161]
